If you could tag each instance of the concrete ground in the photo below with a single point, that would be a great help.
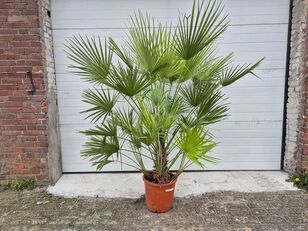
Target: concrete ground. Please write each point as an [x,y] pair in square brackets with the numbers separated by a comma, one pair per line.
[130,185]
[38,210]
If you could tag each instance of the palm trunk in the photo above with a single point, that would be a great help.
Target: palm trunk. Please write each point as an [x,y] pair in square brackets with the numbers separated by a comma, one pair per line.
[164,158]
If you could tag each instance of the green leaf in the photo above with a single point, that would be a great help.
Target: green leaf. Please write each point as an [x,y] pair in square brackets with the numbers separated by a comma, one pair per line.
[194,94]
[232,74]
[151,44]
[122,53]
[211,110]
[99,149]
[102,101]
[126,81]
[195,145]
[125,120]
[199,29]
[92,58]
[206,101]
[158,96]
[107,129]
[212,67]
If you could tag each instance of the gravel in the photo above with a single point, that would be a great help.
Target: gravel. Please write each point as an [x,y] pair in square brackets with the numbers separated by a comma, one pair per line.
[38,210]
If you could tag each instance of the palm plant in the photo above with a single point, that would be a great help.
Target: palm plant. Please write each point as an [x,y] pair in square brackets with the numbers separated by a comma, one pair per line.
[155,97]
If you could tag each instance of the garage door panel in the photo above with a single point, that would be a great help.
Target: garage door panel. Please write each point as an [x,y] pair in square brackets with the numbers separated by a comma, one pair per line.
[118,10]
[248,165]
[114,14]
[71,84]
[233,141]
[112,23]
[258,100]
[243,132]
[229,91]
[268,78]
[235,109]
[250,139]
[75,117]
[78,119]
[256,32]
[267,64]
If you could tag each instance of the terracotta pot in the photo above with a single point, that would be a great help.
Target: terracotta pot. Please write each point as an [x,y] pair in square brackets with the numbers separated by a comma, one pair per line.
[159,197]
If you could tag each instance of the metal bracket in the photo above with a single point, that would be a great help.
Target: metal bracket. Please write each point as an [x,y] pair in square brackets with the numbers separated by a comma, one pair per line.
[29,74]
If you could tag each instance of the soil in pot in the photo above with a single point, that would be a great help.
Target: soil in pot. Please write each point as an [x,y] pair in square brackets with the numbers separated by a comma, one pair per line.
[159,196]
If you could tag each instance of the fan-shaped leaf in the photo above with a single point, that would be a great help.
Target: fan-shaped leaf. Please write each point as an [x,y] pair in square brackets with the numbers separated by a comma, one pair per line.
[195,145]
[232,74]
[199,29]
[102,101]
[91,56]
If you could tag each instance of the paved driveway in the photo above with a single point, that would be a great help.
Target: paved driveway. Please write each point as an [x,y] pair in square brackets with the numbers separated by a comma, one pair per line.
[37,210]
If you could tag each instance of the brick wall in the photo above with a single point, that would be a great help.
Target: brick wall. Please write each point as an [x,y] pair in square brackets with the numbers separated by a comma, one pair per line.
[296,152]
[54,157]
[302,154]
[29,136]
[24,134]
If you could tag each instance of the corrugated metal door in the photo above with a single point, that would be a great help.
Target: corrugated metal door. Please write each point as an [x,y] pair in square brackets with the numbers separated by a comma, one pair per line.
[252,136]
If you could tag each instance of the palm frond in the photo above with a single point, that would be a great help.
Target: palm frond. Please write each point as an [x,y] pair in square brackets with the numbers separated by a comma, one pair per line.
[127,81]
[195,145]
[91,56]
[194,67]
[232,74]
[151,44]
[148,120]
[99,150]
[206,102]
[158,96]
[125,120]
[212,110]
[212,67]
[107,129]
[199,29]
[122,53]
[198,91]
[103,102]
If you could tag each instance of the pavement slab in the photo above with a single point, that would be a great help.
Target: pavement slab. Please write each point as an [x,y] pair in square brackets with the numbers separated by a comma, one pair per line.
[130,185]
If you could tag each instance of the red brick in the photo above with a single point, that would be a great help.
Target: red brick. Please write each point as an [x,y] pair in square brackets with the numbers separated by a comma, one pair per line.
[12,133]
[5,37]
[7,63]
[22,18]
[3,43]
[3,19]
[9,56]
[13,104]
[20,43]
[7,87]
[7,116]
[23,125]
[26,116]
[5,69]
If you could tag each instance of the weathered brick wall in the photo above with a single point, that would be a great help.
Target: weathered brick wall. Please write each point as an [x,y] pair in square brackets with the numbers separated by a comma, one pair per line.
[29,137]
[302,154]
[24,134]
[54,157]
[296,152]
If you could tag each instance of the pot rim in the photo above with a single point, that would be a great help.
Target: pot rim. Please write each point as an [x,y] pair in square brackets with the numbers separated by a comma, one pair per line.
[154,184]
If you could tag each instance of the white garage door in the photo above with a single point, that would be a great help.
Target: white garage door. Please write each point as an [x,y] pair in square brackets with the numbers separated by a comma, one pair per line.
[251,138]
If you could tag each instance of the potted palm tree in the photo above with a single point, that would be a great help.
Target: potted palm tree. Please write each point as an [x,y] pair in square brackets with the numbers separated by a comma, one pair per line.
[154,98]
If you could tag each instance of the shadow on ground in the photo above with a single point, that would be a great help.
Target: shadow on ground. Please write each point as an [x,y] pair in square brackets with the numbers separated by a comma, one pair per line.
[37,210]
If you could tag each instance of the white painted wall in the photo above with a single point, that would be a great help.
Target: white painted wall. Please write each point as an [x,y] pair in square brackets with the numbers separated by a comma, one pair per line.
[251,138]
